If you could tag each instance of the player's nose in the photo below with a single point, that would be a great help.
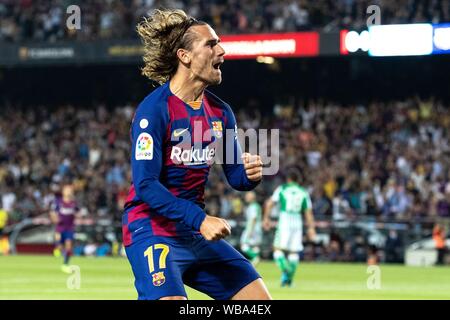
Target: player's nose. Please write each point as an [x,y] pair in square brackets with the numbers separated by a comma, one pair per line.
[221,50]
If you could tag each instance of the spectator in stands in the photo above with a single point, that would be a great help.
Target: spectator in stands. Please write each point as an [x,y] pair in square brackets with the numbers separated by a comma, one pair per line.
[334,246]
[4,245]
[439,242]
[44,20]
[393,247]
[341,207]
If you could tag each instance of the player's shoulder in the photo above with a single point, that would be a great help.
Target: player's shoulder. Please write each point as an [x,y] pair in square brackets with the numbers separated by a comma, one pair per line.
[156,102]
[55,203]
[57,200]
[217,102]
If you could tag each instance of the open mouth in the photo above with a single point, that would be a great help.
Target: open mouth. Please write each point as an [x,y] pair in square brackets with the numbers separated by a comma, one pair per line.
[217,65]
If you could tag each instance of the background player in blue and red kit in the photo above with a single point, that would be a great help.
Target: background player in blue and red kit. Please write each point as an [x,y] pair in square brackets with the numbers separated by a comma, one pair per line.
[177,133]
[62,213]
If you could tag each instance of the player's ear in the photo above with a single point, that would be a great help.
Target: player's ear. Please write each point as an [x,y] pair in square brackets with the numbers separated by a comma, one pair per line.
[184,56]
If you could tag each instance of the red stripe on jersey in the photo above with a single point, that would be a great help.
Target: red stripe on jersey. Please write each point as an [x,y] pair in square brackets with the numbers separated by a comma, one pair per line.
[175,190]
[138,212]
[131,195]
[211,109]
[194,178]
[201,192]
[162,226]
[167,161]
[167,148]
[177,108]
[126,235]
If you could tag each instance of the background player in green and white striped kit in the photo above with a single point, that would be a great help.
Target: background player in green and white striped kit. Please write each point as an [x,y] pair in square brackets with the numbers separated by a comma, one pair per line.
[294,203]
[251,238]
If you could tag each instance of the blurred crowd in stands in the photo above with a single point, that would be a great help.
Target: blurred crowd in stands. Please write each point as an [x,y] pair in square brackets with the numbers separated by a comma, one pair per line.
[376,162]
[386,161]
[40,148]
[45,20]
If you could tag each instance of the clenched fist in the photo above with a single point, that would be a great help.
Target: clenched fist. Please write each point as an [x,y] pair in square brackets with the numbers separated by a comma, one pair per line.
[213,228]
[253,166]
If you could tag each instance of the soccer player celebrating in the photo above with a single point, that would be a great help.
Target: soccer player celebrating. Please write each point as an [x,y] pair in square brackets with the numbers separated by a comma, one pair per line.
[294,201]
[62,213]
[170,240]
[251,238]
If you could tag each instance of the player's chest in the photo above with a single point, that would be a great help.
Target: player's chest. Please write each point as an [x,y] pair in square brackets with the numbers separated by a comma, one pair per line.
[66,211]
[193,140]
[195,129]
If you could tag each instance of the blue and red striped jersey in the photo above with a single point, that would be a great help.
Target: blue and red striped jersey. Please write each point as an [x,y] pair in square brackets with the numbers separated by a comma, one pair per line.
[66,214]
[173,148]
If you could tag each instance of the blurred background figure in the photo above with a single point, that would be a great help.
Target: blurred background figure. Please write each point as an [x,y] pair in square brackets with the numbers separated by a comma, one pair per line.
[63,213]
[4,242]
[295,205]
[372,255]
[393,247]
[439,242]
[251,238]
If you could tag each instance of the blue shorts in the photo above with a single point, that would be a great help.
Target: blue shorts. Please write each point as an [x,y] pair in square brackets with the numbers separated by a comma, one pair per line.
[66,235]
[162,265]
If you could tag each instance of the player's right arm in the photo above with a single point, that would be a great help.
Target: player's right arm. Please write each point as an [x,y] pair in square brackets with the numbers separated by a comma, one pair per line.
[148,132]
[268,206]
[53,214]
[311,231]
[53,217]
[253,214]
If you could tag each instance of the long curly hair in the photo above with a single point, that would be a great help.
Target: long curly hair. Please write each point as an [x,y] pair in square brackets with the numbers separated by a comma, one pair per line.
[162,33]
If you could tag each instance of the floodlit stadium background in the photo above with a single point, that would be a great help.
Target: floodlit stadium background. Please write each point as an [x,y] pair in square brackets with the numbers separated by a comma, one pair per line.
[363,112]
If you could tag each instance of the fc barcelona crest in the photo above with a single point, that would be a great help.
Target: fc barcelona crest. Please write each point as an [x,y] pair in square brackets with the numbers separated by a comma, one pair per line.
[217,128]
[158,278]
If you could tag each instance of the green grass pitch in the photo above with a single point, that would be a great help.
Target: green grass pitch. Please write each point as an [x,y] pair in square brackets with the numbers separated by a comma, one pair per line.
[39,277]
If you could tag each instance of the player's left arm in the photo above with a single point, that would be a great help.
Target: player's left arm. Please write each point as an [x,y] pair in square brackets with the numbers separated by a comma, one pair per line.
[78,212]
[243,176]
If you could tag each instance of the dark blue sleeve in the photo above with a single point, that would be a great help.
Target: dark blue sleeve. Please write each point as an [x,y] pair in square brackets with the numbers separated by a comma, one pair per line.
[233,166]
[148,132]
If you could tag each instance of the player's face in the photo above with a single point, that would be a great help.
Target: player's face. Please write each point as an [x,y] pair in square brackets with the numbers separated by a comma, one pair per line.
[68,191]
[206,55]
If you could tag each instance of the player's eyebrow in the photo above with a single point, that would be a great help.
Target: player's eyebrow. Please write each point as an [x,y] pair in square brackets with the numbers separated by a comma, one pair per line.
[212,41]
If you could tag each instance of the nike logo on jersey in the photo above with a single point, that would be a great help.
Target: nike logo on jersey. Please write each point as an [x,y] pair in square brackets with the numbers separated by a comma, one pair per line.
[179,132]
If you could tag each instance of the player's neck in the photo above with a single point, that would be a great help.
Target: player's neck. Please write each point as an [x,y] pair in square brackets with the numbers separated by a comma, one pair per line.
[186,89]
